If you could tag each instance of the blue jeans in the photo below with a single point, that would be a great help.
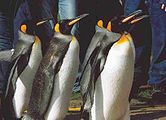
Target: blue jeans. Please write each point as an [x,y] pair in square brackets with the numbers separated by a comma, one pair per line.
[6,38]
[142,41]
[6,35]
[130,6]
[67,10]
[157,72]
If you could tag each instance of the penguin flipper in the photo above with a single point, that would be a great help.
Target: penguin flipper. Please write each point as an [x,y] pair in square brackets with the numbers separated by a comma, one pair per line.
[22,47]
[96,38]
[6,55]
[19,65]
[97,61]
[43,83]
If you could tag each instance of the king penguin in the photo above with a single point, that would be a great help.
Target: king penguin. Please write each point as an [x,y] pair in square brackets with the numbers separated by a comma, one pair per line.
[52,86]
[26,58]
[111,63]
[99,41]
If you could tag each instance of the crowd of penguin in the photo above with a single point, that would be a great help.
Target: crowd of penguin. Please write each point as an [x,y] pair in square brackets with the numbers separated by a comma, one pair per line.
[40,86]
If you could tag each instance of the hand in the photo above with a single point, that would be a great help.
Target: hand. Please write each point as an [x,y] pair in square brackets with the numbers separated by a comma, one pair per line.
[163,7]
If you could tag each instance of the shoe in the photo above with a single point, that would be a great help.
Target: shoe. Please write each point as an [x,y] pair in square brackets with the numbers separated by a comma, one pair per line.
[145,92]
[153,93]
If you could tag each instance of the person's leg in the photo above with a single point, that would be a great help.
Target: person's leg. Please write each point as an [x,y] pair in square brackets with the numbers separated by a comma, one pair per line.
[130,6]
[5,31]
[157,72]
[6,37]
[67,9]
[142,42]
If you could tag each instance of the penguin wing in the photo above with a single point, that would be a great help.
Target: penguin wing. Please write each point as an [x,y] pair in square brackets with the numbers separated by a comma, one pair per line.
[98,36]
[19,57]
[44,79]
[6,55]
[97,61]
[19,64]
[90,54]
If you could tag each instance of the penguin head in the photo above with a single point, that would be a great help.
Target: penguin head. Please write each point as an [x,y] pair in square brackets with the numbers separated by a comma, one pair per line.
[65,26]
[124,23]
[27,27]
[28,30]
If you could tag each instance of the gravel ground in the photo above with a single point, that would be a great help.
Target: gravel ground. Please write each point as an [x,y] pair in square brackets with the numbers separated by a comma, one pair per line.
[139,111]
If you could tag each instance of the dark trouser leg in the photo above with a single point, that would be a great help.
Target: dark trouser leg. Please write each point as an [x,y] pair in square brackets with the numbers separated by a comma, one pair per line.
[157,72]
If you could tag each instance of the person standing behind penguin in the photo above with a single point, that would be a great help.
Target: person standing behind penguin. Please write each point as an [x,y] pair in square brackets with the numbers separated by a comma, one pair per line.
[157,74]
[142,42]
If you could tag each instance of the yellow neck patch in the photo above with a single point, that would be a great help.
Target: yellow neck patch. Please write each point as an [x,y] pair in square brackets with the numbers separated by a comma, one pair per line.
[100,23]
[37,40]
[56,28]
[109,26]
[23,28]
[73,39]
[123,39]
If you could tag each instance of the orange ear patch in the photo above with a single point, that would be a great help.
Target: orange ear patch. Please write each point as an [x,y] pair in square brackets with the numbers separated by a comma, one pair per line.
[100,23]
[23,28]
[109,27]
[56,28]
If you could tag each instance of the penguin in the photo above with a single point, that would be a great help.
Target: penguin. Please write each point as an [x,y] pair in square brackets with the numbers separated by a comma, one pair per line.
[26,59]
[25,79]
[101,36]
[107,74]
[53,82]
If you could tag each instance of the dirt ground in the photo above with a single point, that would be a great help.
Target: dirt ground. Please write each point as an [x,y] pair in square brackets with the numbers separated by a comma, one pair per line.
[150,111]
[139,111]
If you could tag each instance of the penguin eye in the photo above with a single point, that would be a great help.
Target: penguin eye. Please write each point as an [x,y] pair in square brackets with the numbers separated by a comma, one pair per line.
[100,23]
[109,26]
[23,28]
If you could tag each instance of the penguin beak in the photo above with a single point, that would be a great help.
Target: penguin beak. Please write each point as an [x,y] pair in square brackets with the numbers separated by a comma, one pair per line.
[139,19]
[129,17]
[43,21]
[134,17]
[75,20]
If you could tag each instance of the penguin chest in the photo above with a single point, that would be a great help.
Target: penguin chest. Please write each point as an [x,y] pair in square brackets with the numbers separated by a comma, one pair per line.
[63,83]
